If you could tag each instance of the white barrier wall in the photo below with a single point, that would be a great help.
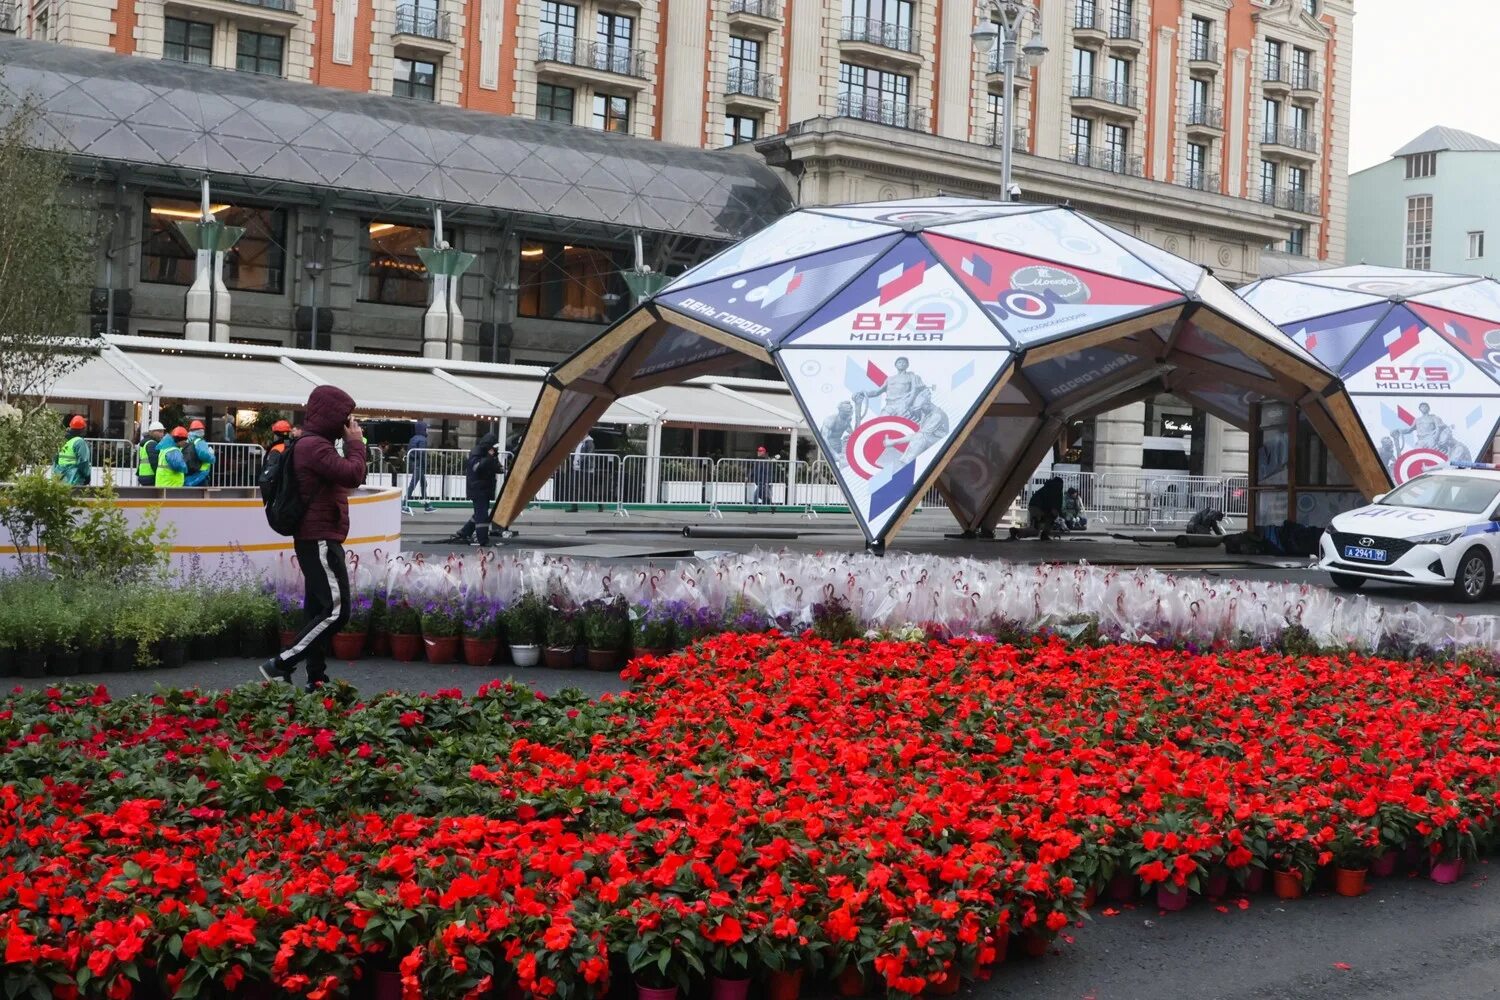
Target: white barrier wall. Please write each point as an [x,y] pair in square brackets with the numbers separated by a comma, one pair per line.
[215,524]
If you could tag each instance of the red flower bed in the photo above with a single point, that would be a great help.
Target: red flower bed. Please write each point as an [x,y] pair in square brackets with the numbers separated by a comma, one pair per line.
[758,802]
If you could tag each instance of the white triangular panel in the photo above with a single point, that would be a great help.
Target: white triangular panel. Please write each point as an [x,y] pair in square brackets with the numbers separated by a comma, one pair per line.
[1060,236]
[1183,273]
[1480,299]
[883,418]
[1285,302]
[794,236]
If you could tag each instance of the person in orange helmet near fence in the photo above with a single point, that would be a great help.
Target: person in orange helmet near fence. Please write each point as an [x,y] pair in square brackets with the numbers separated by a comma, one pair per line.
[72,465]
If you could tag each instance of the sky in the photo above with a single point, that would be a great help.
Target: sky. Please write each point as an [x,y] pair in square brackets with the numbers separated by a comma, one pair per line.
[1420,64]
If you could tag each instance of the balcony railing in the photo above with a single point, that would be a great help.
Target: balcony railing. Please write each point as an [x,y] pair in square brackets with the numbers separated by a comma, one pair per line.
[994,135]
[1304,78]
[1116,161]
[1292,138]
[1205,116]
[1203,50]
[423,22]
[286,6]
[592,55]
[751,83]
[1086,17]
[898,113]
[1110,91]
[760,8]
[885,34]
[1201,177]
[1276,71]
[1292,200]
[1123,28]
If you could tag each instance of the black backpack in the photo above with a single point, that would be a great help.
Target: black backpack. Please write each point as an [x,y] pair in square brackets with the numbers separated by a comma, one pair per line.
[278,491]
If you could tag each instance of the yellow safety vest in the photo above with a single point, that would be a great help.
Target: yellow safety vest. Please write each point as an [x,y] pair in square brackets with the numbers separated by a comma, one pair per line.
[165,474]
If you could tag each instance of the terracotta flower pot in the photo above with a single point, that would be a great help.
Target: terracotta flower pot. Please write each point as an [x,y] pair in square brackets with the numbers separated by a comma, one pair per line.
[1288,885]
[728,989]
[945,987]
[348,646]
[558,658]
[1090,897]
[1447,872]
[850,982]
[603,659]
[480,652]
[1255,880]
[784,985]
[406,648]
[1036,943]
[1172,898]
[441,648]
[655,993]
[380,643]
[1385,865]
[286,637]
[525,656]
[1217,884]
[1349,881]
[1001,946]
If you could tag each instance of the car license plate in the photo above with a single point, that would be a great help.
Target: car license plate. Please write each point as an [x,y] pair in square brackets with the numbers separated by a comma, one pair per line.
[1363,554]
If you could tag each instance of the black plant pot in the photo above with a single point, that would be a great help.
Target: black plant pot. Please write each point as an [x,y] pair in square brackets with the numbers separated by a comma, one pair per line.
[122,657]
[64,663]
[205,647]
[255,641]
[7,662]
[31,663]
[172,653]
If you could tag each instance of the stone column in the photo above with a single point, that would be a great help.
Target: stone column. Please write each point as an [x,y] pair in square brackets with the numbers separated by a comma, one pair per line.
[1118,437]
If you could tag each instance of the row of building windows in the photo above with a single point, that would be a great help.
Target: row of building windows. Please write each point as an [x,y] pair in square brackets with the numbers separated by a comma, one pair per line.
[1419,234]
[557,281]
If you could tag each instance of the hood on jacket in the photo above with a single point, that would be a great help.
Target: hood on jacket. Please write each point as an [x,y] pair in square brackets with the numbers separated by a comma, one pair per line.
[328,409]
[421,429]
[483,445]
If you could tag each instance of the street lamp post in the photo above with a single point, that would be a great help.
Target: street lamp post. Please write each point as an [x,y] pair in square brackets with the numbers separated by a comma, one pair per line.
[1000,21]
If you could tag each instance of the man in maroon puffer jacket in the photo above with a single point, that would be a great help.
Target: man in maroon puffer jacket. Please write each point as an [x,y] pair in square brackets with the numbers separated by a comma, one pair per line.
[324,479]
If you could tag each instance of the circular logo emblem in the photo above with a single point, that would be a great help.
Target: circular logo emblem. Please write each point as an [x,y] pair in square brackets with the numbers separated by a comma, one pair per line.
[1026,305]
[867,446]
[1054,282]
[1410,464]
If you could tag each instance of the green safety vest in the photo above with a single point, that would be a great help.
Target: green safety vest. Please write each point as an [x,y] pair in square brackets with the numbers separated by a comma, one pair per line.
[165,474]
[68,460]
[146,468]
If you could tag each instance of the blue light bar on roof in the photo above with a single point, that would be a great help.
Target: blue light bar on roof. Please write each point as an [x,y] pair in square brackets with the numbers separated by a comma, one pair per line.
[1472,465]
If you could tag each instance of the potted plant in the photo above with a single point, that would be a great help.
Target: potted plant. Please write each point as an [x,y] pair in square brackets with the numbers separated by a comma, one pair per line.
[1294,860]
[655,631]
[562,635]
[258,625]
[405,623]
[1354,846]
[1450,846]
[663,957]
[290,617]
[522,630]
[442,623]
[349,641]
[605,629]
[380,631]
[481,630]
[730,940]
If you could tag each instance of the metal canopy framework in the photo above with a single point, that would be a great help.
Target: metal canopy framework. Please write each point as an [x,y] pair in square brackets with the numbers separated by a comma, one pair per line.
[147,370]
[181,121]
[938,341]
[1417,351]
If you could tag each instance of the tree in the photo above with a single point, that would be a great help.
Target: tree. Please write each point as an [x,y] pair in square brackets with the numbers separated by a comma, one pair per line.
[46,259]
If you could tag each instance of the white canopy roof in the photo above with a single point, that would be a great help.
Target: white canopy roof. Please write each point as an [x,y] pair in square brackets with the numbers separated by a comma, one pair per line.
[136,369]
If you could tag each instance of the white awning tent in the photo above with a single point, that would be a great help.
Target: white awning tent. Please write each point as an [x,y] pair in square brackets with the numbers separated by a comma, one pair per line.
[147,370]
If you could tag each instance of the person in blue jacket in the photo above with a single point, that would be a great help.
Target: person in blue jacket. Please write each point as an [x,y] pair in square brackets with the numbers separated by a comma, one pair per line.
[199,456]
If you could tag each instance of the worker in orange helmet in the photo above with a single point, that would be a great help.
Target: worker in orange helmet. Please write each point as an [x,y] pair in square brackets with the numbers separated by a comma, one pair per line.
[198,455]
[171,467]
[72,465]
[281,430]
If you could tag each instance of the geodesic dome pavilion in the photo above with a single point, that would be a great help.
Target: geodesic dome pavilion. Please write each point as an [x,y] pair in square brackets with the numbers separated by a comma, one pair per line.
[1417,351]
[937,341]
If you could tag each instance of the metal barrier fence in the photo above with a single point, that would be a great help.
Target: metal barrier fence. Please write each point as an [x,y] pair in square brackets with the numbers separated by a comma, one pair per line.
[585,480]
[113,457]
[234,464]
[1150,500]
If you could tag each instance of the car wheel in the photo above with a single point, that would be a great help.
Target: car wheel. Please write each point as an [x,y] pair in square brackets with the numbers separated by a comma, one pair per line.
[1472,581]
[1345,582]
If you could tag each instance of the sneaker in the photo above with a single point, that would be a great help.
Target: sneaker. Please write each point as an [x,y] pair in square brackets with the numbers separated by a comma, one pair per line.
[273,670]
[429,509]
[406,510]
[455,540]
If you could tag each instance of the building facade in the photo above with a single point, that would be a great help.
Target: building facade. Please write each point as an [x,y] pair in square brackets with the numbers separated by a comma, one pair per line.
[1433,206]
[1217,129]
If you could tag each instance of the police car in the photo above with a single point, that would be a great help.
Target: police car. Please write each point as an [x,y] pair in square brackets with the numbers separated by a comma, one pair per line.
[1440,529]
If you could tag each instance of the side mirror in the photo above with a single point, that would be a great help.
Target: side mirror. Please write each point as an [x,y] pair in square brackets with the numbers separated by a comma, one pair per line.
[1378,497]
